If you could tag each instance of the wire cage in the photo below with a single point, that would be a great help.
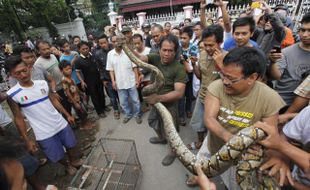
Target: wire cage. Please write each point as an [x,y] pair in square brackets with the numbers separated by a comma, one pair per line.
[113,164]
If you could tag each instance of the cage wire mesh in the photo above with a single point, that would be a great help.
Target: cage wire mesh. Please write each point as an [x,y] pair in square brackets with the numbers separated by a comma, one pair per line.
[113,164]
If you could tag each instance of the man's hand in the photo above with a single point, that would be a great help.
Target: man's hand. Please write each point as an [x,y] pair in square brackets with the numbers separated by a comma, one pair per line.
[275,164]
[114,86]
[274,139]
[218,3]
[194,60]
[105,83]
[56,95]
[70,119]
[218,57]
[203,4]
[31,146]
[77,106]
[274,57]
[152,99]
[83,85]
[3,96]
[202,179]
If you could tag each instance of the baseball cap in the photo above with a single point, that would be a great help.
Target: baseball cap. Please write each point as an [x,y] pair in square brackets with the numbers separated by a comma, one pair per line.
[126,29]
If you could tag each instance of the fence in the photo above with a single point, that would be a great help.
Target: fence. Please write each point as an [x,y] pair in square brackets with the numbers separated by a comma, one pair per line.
[233,10]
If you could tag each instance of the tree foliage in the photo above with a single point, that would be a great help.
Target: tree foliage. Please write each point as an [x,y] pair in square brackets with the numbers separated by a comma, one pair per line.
[21,14]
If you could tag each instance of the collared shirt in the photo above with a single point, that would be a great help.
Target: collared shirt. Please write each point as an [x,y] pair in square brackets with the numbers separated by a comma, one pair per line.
[123,69]
[89,69]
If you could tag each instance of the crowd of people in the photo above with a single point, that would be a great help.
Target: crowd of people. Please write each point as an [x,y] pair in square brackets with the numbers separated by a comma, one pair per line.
[220,77]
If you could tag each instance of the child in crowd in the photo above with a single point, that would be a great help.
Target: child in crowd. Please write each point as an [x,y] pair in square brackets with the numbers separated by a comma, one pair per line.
[73,94]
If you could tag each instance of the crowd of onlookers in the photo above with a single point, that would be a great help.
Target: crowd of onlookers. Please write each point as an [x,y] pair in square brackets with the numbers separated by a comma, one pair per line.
[220,77]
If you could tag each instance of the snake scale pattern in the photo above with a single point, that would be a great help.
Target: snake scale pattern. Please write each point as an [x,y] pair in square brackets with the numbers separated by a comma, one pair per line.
[230,154]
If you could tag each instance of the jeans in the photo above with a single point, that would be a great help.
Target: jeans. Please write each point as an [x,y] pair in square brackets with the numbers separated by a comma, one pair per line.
[112,95]
[124,95]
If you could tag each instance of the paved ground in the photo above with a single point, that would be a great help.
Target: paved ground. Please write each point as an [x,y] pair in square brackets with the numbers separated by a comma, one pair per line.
[155,176]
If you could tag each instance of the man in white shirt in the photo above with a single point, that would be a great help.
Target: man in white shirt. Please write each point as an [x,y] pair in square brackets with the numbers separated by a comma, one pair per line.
[125,79]
[33,100]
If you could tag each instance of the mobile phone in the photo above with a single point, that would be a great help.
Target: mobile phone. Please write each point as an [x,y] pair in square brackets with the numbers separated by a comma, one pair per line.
[277,49]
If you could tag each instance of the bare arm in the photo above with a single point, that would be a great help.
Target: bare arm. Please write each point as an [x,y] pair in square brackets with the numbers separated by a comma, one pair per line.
[51,82]
[203,18]
[58,105]
[226,18]
[298,104]
[196,70]
[176,94]
[79,76]
[274,71]
[212,107]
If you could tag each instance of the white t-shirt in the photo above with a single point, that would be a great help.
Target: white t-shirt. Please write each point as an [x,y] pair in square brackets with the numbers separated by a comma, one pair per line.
[299,130]
[123,69]
[145,52]
[51,66]
[4,118]
[34,102]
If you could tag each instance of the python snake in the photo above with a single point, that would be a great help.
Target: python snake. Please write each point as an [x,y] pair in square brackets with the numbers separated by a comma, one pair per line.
[230,154]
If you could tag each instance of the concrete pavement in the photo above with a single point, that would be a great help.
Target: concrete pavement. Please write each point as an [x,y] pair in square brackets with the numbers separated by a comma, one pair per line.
[155,176]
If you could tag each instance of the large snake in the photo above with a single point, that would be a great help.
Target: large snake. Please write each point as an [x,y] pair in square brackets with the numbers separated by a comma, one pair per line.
[230,154]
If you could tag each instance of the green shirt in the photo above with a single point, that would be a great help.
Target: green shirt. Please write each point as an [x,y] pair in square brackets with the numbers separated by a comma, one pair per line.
[173,73]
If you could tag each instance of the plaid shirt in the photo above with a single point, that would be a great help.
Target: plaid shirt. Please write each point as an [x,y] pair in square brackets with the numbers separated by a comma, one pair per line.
[303,89]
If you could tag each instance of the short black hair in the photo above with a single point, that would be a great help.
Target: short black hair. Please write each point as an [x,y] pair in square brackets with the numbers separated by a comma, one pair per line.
[188,19]
[42,42]
[82,43]
[76,37]
[167,23]
[305,18]
[171,39]
[103,36]
[22,49]
[160,27]
[188,30]
[138,36]
[12,62]
[244,21]
[250,59]
[63,42]
[214,30]
[198,23]
[63,64]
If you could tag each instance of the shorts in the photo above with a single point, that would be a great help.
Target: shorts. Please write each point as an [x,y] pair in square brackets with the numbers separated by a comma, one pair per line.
[30,164]
[53,146]
[197,122]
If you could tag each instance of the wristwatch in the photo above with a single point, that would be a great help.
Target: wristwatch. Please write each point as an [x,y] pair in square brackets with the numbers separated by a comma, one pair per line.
[54,91]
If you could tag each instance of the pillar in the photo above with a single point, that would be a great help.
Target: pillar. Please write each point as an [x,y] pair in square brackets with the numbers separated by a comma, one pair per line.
[141,17]
[79,28]
[219,14]
[188,10]
[112,16]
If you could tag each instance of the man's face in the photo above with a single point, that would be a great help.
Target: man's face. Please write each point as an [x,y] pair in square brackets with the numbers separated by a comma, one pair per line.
[138,44]
[167,27]
[55,51]
[268,26]
[211,45]
[221,22]
[28,58]
[167,52]
[128,35]
[84,49]
[146,30]
[113,41]
[66,47]
[21,72]
[304,34]
[76,41]
[242,35]
[103,43]
[185,39]
[187,22]
[175,32]
[234,81]
[45,50]
[156,35]
[197,30]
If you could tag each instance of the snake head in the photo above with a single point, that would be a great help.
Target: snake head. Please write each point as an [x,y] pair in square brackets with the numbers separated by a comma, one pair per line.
[120,40]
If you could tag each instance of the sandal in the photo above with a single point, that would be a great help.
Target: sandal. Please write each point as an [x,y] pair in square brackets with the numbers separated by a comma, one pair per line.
[191,181]
[194,146]
[116,115]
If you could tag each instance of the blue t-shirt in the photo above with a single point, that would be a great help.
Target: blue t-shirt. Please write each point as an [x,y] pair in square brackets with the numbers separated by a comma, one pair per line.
[230,43]
[69,58]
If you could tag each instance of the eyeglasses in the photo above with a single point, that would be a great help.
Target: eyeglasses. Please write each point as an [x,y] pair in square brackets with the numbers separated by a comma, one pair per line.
[229,81]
